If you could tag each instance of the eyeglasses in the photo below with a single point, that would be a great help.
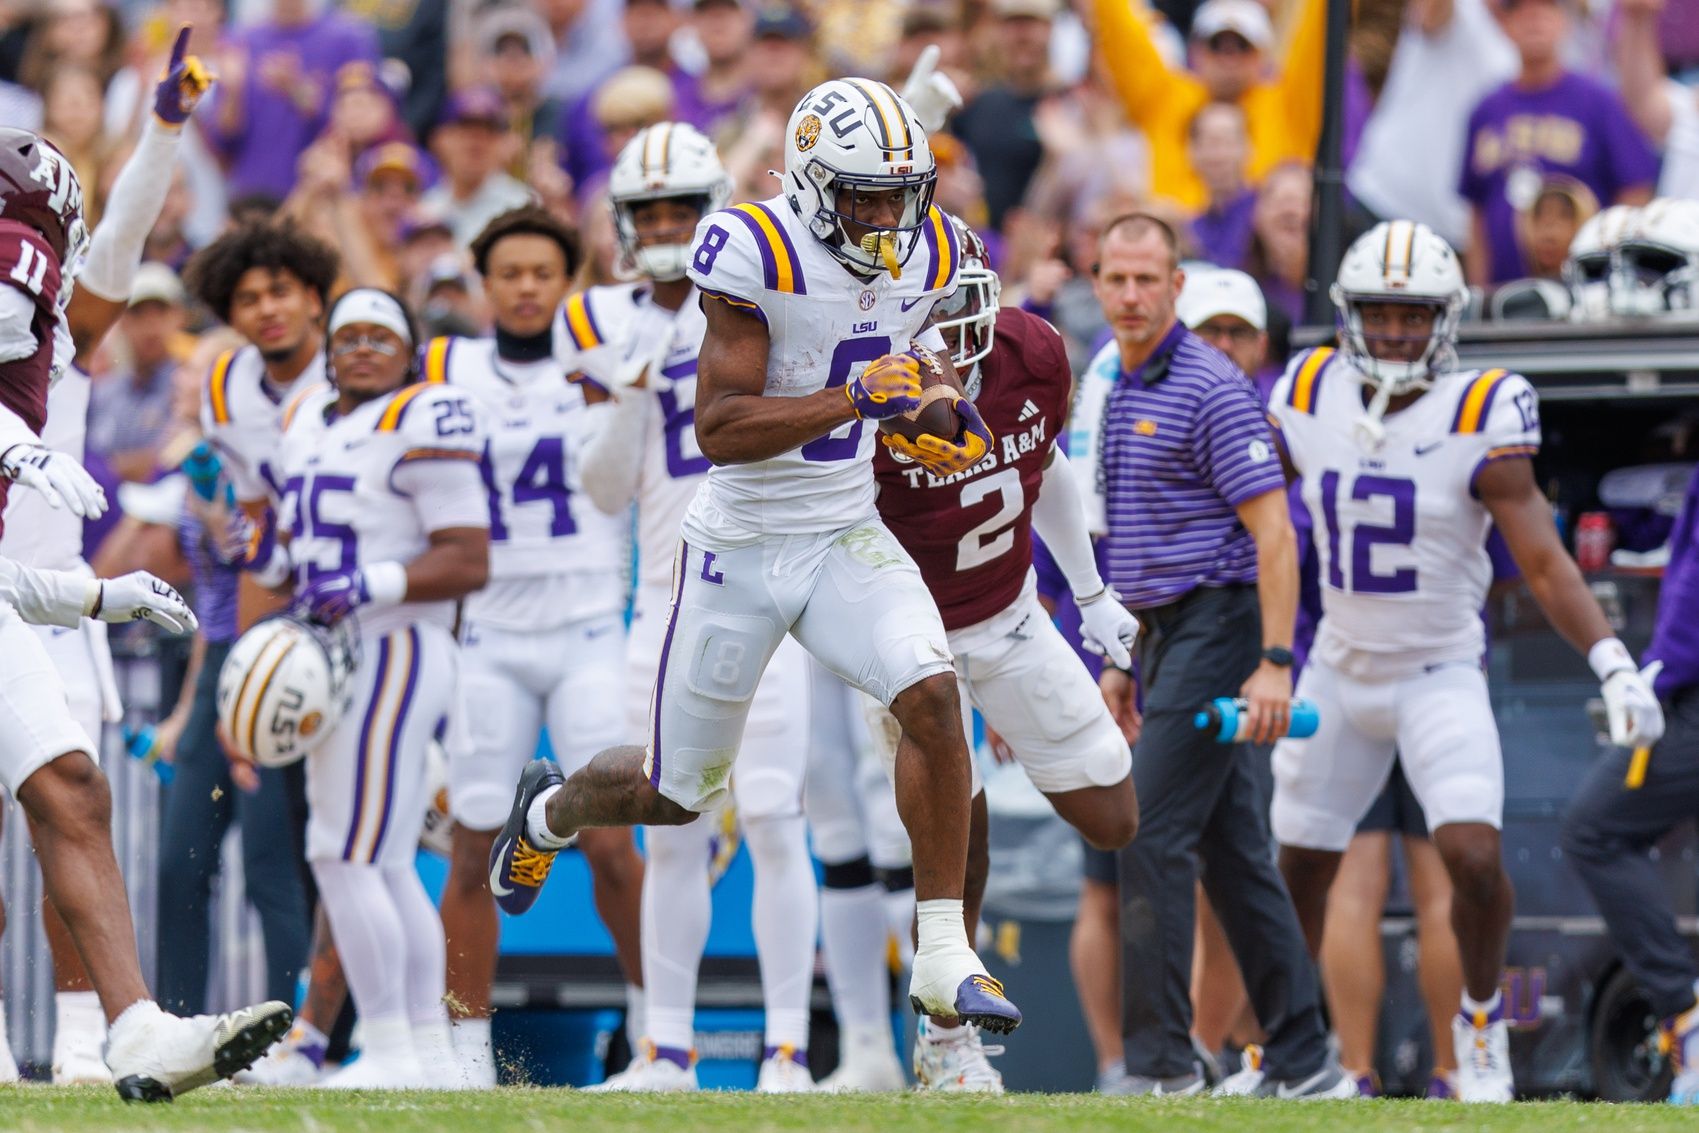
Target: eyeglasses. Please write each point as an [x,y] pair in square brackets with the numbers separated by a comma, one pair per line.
[342,347]
[1242,332]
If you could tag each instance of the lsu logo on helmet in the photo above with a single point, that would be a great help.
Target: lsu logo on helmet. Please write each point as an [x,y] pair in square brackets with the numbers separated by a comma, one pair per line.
[284,687]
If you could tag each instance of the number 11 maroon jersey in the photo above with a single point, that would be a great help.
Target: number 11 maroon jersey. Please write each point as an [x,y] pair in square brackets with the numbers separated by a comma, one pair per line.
[29,265]
[971,533]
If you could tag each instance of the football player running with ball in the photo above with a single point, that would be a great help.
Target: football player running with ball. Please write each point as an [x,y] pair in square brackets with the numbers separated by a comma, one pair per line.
[971,534]
[46,756]
[544,642]
[387,521]
[818,304]
[644,450]
[1406,463]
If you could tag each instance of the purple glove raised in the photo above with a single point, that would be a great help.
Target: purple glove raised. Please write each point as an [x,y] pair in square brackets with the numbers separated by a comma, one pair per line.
[183,84]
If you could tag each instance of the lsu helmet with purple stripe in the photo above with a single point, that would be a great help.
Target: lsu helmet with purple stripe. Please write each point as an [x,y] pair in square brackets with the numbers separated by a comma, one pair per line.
[1587,269]
[285,684]
[859,135]
[1404,262]
[666,161]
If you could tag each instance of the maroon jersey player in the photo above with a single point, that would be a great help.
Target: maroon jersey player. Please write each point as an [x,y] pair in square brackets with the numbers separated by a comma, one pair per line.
[971,534]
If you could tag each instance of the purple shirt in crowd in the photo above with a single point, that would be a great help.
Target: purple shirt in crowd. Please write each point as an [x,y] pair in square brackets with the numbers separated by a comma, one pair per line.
[1577,126]
[1185,441]
[1223,234]
[263,153]
[1675,637]
[215,580]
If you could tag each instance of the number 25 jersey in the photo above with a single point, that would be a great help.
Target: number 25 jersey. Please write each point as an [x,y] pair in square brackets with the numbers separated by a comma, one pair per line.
[825,326]
[1400,534]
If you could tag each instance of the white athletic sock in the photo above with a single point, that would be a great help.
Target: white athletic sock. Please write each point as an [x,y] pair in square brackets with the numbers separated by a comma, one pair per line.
[676,914]
[636,1015]
[427,952]
[371,937]
[1486,1006]
[786,915]
[537,830]
[387,1040]
[941,924]
[78,1011]
[898,905]
[475,1051]
[926,1030]
[853,939]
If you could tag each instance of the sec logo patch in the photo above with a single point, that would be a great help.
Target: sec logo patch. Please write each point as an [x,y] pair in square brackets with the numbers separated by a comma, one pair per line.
[807,133]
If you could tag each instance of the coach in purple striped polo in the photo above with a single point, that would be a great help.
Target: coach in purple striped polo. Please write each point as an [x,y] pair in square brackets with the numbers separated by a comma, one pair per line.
[1200,545]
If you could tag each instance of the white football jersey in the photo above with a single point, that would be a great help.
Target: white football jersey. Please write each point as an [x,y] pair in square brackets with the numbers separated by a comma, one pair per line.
[36,533]
[554,557]
[242,415]
[341,507]
[825,325]
[1400,535]
[671,466]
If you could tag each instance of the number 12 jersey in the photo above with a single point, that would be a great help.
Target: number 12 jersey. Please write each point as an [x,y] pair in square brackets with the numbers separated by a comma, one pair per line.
[1400,533]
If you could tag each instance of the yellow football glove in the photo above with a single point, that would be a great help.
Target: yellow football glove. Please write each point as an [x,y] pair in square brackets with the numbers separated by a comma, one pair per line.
[941,457]
[888,387]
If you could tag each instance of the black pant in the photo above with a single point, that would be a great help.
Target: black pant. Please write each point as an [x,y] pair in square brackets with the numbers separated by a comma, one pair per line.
[1607,836]
[1200,802]
[199,807]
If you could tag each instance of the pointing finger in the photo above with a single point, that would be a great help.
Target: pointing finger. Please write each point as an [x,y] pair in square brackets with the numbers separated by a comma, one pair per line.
[179,49]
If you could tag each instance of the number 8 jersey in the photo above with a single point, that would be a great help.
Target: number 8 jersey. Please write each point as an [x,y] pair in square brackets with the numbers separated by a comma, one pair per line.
[1400,534]
[825,326]
[554,558]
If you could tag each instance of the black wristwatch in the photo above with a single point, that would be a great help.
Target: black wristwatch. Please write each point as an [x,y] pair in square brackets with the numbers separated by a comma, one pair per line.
[1278,655]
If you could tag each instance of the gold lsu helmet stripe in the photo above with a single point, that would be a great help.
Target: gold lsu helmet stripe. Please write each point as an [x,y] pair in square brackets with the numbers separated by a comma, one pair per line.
[657,148]
[893,123]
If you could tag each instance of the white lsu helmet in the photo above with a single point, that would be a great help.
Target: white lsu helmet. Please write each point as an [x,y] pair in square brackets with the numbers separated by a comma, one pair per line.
[1399,261]
[859,134]
[1655,261]
[1587,268]
[285,684]
[664,161]
[971,309]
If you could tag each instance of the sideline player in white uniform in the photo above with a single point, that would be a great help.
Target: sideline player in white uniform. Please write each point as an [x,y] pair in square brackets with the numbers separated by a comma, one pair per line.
[46,759]
[543,643]
[1406,462]
[387,521]
[818,322]
[644,450]
[270,282]
[39,535]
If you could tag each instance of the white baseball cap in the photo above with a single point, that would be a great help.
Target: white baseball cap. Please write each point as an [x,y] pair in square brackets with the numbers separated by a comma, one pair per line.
[1247,18]
[1221,291]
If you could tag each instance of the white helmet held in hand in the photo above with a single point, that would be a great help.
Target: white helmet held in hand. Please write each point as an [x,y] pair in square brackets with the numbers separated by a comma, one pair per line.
[666,161]
[1399,261]
[971,309]
[1655,262]
[1587,269]
[284,686]
[857,134]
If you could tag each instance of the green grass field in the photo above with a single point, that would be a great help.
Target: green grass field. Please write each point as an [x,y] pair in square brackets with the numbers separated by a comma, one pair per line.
[43,1110]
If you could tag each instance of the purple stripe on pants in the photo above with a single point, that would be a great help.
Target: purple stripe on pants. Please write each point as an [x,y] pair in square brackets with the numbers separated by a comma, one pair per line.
[682,565]
[395,740]
[365,748]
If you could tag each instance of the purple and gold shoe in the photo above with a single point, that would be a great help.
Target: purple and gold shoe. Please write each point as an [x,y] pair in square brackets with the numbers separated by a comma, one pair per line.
[949,980]
[517,868]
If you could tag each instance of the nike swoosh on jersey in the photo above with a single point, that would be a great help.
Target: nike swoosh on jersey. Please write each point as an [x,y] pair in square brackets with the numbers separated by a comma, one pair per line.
[908,304]
[1423,450]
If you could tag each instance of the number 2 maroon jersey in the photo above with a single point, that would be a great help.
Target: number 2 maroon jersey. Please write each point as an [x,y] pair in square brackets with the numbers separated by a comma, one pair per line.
[28,265]
[971,533]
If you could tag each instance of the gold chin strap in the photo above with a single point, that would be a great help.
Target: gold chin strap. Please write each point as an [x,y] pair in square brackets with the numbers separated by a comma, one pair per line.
[883,245]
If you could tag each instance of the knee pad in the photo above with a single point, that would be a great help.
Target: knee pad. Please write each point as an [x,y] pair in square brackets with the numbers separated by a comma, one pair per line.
[895,879]
[857,874]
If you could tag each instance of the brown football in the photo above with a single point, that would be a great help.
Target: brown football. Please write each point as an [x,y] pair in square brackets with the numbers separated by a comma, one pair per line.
[936,414]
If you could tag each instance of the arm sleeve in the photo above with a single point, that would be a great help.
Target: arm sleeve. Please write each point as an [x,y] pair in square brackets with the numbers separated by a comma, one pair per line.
[1137,69]
[132,207]
[44,597]
[1234,445]
[1059,518]
[17,325]
[445,492]
[613,449]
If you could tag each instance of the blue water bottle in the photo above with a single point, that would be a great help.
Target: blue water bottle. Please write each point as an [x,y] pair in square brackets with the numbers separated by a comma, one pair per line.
[1229,721]
[142,744]
[202,467]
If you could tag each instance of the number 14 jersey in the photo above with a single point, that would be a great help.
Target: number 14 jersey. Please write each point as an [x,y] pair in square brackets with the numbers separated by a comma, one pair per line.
[1400,534]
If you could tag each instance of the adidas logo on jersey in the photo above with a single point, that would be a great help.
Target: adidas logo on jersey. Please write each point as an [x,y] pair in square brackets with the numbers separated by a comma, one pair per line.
[1028,411]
